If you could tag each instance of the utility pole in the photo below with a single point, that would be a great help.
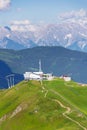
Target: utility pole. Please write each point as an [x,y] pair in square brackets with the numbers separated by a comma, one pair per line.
[13,81]
[10,80]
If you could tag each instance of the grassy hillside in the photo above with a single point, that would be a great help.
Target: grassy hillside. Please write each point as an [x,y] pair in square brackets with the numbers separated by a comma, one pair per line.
[47,105]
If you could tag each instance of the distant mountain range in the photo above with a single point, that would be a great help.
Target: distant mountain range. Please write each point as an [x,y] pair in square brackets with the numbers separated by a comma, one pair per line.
[57,60]
[72,35]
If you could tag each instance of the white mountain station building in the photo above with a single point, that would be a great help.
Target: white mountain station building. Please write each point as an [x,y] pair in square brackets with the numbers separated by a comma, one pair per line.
[33,75]
[37,75]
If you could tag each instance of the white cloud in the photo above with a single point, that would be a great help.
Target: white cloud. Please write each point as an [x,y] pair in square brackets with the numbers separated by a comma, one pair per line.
[22,22]
[79,17]
[4,4]
[24,25]
[74,15]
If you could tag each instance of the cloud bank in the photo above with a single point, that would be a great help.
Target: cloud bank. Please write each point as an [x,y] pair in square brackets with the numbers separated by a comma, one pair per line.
[79,17]
[74,15]
[4,4]
[24,25]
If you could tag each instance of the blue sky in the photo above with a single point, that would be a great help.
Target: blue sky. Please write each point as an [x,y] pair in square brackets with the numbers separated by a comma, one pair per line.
[37,10]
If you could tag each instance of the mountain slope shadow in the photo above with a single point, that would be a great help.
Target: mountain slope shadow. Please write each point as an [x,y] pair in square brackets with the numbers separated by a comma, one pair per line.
[5,71]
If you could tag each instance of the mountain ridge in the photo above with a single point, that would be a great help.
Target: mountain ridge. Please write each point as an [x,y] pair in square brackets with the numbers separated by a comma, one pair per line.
[72,35]
[56,60]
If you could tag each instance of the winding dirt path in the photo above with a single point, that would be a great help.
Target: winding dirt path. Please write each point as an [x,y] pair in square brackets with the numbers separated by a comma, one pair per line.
[68,110]
[46,93]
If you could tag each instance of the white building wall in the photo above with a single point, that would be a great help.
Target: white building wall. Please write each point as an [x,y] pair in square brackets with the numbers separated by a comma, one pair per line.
[32,75]
[67,78]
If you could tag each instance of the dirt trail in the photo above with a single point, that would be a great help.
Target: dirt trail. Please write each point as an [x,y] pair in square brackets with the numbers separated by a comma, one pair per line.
[68,110]
[46,93]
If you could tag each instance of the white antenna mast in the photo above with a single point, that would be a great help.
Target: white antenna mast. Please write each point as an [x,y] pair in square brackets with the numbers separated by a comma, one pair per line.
[40,70]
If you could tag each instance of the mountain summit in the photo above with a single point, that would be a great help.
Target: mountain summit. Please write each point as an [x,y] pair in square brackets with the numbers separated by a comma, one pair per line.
[56,60]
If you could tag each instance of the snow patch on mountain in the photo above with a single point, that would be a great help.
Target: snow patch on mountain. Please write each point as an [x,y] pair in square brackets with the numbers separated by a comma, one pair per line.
[82,44]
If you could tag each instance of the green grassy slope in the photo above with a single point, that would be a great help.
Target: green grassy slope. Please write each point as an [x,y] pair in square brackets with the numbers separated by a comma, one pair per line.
[52,105]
